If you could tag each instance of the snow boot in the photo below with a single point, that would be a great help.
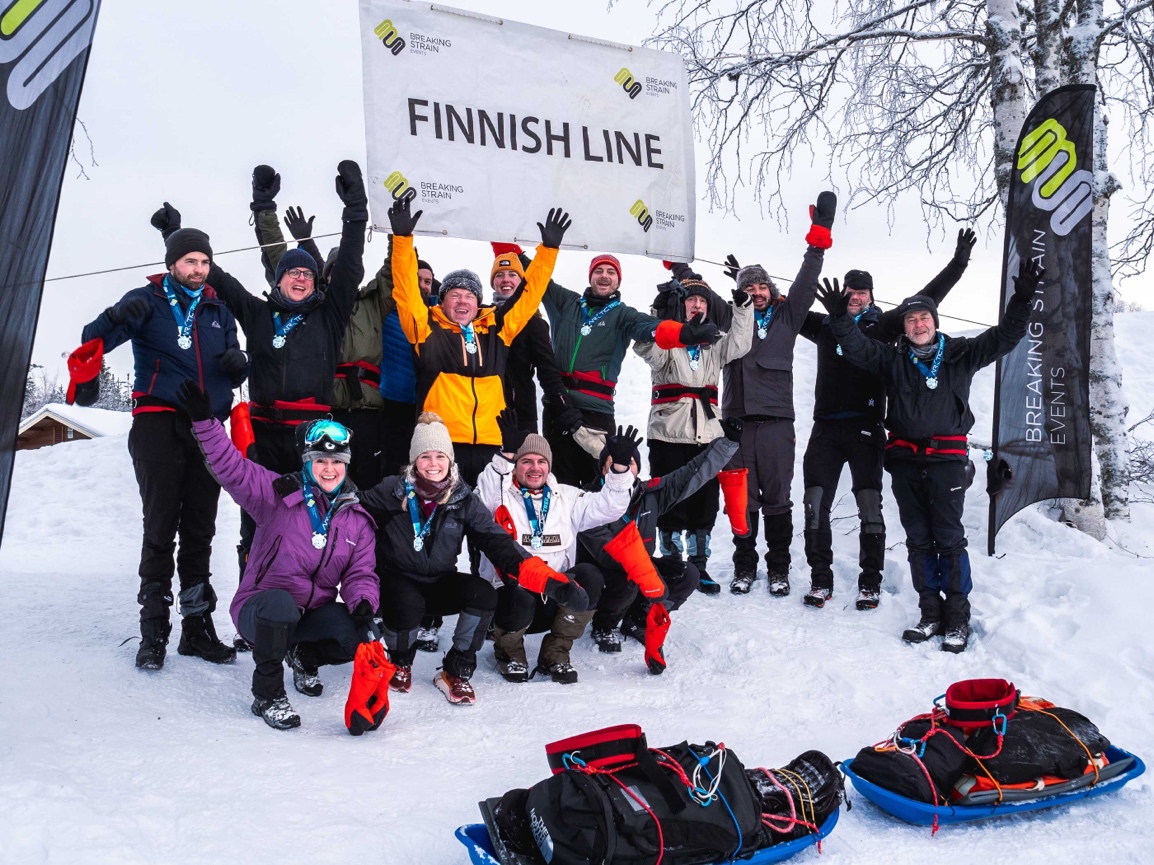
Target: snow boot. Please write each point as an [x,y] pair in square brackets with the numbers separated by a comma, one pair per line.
[153,640]
[427,634]
[608,640]
[743,579]
[817,596]
[402,681]
[198,639]
[509,652]
[699,557]
[553,658]
[923,630]
[670,544]
[240,644]
[779,583]
[277,713]
[956,638]
[778,535]
[305,677]
[957,622]
[868,598]
[453,679]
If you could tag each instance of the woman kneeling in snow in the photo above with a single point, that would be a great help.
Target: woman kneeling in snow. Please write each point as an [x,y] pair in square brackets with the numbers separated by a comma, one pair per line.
[311,538]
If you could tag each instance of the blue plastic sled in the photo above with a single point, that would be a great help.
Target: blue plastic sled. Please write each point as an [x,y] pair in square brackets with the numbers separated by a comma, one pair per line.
[476,838]
[923,814]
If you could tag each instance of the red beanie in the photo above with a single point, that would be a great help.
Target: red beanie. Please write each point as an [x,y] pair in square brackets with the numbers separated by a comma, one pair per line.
[605,258]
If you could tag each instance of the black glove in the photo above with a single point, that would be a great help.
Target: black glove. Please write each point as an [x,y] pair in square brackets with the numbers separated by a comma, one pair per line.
[681,270]
[731,267]
[732,427]
[265,186]
[402,220]
[697,331]
[623,445]
[740,297]
[966,241]
[568,595]
[553,231]
[232,360]
[195,401]
[1030,273]
[833,298]
[363,617]
[351,186]
[512,436]
[569,421]
[668,300]
[166,220]
[131,309]
[299,227]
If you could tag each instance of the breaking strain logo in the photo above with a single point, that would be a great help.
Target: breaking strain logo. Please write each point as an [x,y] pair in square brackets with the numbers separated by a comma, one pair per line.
[628,83]
[642,213]
[399,187]
[1049,159]
[43,37]
[386,31]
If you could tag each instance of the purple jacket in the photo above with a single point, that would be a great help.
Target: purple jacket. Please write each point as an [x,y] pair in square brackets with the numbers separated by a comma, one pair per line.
[282,555]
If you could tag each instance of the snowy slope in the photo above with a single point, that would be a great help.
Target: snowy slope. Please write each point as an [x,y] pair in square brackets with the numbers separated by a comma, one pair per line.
[102,763]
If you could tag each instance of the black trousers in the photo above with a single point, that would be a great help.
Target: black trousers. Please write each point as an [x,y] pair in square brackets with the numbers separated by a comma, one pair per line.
[621,597]
[367,426]
[179,497]
[398,420]
[698,511]
[271,622]
[472,459]
[518,609]
[405,602]
[274,447]
[767,450]
[572,464]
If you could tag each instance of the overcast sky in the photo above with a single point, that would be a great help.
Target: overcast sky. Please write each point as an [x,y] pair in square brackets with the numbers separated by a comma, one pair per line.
[182,100]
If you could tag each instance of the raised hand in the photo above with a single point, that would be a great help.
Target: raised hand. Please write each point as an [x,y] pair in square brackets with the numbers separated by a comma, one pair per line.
[822,215]
[299,227]
[350,185]
[553,231]
[833,298]
[697,331]
[166,220]
[402,219]
[966,241]
[265,186]
[132,309]
[623,445]
[512,436]
[731,267]
[1030,273]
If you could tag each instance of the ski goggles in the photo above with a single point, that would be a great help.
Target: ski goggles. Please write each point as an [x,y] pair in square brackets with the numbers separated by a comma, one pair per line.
[320,430]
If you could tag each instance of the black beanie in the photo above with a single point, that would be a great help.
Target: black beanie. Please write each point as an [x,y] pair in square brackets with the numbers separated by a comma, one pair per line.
[861,280]
[424,265]
[183,241]
[918,303]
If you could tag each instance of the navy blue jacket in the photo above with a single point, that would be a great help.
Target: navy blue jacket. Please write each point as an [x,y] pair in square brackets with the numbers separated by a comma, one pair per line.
[161,366]
[398,362]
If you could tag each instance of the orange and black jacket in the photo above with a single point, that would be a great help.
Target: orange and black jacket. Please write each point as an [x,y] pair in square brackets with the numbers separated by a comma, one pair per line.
[465,389]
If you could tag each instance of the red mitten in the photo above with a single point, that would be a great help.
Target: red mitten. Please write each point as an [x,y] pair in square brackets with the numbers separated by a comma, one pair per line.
[735,491]
[534,575]
[500,249]
[668,335]
[505,520]
[84,373]
[368,701]
[656,628]
[628,550]
[240,426]
[822,215]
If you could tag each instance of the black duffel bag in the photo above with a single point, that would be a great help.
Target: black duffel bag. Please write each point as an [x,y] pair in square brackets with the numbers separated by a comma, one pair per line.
[1036,744]
[900,772]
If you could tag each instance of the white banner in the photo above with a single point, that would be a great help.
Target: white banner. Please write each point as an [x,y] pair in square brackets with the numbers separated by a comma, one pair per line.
[487,123]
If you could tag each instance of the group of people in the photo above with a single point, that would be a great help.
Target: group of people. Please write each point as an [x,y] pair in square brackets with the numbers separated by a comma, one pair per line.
[394,424]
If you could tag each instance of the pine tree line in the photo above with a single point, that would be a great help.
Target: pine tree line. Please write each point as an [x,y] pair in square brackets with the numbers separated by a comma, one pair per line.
[41,389]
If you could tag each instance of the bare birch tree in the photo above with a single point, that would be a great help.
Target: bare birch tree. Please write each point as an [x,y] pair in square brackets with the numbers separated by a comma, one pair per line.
[927,98]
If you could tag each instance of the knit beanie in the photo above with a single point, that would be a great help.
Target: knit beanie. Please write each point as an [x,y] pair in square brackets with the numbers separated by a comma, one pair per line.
[861,280]
[695,288]
[605,258]
[535,444]
[754,274]
[430,434]
[183,241]
[918,303]
[424,265]
[465,279]
[506,262]
[294,258]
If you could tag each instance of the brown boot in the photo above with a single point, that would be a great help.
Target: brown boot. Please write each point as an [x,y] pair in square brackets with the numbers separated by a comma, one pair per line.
[509,652]
[554,655]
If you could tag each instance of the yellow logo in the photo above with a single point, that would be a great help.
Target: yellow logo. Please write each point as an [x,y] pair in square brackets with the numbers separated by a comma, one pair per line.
[399,188]
[628,83]
[1049,157]
[386,31]
[642,213]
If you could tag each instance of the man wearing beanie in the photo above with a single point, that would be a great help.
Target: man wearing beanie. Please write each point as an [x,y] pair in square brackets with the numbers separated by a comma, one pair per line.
[293,336]
[927,377]
[532,349]
[544,518]
[463,348]
[758,388]
[591,333]
[848,410]
[179,329]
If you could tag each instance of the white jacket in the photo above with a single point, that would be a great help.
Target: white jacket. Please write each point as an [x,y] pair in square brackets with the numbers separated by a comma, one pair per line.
[571,510]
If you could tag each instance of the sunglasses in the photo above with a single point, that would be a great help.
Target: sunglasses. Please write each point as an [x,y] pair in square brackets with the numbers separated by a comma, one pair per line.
[327,429]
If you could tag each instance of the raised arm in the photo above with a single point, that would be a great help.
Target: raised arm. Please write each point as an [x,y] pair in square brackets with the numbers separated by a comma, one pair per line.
[411,309]
[349,269]
[236,297]
[121,321]
[592,509]
[937,288]
[1006,334]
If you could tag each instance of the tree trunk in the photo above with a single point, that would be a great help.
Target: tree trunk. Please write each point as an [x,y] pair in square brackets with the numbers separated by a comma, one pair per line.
[1008,87]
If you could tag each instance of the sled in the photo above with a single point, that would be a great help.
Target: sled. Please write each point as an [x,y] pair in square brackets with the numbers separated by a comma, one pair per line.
[1122,768]
[482,851]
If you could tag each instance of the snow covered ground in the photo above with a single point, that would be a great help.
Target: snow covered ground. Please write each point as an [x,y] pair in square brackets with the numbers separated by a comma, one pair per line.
[102,763]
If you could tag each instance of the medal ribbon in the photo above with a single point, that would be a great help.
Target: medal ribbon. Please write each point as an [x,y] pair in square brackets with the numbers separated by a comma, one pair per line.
[590,321]
[470,337]
[931,372]
[694,352]
[538,526]
[282,330]
[320,527]
[763,321]
[420,530]
[183,320]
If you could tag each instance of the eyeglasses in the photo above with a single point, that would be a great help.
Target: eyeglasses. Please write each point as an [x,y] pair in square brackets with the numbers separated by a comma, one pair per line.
[301,273]
[335,432]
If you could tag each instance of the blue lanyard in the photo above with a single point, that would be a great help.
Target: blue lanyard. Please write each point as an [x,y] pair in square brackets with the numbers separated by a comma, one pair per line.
[931,373]
[184,321]
[420,530]
[694,352]
[856,319]
[282,330]
[470,338]
[320,526]
[538,526]
[588,322]
[763,321]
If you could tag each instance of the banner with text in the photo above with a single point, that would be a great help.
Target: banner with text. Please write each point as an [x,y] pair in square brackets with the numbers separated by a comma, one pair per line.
[486,123]
[1042,442]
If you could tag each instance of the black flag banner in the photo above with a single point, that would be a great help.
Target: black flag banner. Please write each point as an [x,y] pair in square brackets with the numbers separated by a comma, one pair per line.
[43,56]
[1041,445]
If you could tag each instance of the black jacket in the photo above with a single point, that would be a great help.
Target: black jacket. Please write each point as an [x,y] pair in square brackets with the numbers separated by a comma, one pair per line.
[461,516]
[532,350]
[306,366]
[918,415]
[844,391]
